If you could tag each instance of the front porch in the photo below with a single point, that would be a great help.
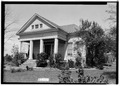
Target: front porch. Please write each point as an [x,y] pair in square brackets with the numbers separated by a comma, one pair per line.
[49,46]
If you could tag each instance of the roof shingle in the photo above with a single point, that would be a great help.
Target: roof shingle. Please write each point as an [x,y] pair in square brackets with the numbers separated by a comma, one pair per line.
[70,28]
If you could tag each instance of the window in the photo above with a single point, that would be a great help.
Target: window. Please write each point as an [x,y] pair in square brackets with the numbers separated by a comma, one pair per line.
[32,26]
[41,25]
[69,50]
[36,26]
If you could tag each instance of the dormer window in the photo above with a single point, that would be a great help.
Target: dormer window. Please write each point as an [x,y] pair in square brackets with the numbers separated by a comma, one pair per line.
[36,26]
[41,25]
[32,26]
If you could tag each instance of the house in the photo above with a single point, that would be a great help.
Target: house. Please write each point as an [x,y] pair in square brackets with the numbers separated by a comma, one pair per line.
[39,34]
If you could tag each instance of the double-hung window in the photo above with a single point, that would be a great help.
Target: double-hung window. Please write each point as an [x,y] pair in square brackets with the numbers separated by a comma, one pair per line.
[70,49]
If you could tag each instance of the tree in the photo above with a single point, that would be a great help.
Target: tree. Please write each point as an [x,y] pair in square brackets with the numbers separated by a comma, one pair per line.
[18,58]
[9,23]
[93,34]
[111,36]
[15,49]
[112,14]
[112,19]
[8,58]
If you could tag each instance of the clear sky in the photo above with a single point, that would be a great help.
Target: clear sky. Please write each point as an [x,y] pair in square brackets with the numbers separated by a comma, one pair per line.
[59,14]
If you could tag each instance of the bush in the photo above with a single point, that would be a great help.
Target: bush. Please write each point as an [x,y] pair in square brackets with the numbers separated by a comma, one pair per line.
[59,63]
[78,62]
[71,63]
[42,60]
[65,77]
[51,61]
[58,58]
[8,58]
[63,65]
[18,59]
[17,70]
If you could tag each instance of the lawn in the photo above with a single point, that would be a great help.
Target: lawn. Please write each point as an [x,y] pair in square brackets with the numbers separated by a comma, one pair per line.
[32,76]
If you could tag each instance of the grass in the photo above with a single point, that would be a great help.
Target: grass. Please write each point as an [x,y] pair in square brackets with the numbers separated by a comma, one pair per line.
[32,76]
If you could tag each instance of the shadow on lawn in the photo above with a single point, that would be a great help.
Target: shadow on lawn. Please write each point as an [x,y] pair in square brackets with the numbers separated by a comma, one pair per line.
[110,75]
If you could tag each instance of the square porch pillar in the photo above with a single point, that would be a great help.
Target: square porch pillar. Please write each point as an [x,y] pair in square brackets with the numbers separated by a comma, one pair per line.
[41,45]
[56,45]
[31,49]
[20,46]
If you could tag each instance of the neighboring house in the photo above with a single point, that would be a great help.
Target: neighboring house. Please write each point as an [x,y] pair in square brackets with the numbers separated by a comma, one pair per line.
[42,35]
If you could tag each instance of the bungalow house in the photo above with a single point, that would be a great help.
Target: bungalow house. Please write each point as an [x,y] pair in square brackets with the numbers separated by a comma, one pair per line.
[39,34]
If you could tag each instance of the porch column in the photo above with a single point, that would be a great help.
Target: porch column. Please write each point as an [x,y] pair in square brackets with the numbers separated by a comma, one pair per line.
[31,49]
[20,46]
[56,45]
[41,45]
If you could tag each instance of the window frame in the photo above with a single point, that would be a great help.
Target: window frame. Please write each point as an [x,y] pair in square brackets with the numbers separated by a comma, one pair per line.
[41,25]
[70,49]
[36,26]
[32,26]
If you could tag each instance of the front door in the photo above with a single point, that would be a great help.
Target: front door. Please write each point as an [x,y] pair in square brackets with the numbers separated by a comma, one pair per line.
[49,49]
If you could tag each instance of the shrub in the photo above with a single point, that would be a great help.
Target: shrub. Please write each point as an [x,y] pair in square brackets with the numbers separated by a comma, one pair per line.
[63,65]
[80,75]
[8,58]
[78,62]
[58,58]
[42,56]
[51,61]
[65,77]
[59,62]
[18,59]
[17,70]
[42,60]
[71,63]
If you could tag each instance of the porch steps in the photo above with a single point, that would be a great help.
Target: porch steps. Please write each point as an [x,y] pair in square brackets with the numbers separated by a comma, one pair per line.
[29,63]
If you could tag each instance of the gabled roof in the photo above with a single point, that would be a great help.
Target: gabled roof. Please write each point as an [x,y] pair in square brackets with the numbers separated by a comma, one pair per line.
[65,28]
[35,16]
[70,28]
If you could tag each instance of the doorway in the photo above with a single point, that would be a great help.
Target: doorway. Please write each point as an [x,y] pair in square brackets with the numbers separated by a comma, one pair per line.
[49,47]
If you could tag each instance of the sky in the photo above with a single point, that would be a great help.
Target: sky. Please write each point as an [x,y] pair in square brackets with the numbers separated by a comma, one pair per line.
[59,14]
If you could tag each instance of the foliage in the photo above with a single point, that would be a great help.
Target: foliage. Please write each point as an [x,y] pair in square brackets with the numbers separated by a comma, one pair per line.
[18,59]
[112,14]
[78,60]
[80,75]
[65,77]
[14,49]
[93,34]
[58,60]
[51,61]
[42,60]
[17,70]
[8,58]
[42,56]
[113,29]
[71,63]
